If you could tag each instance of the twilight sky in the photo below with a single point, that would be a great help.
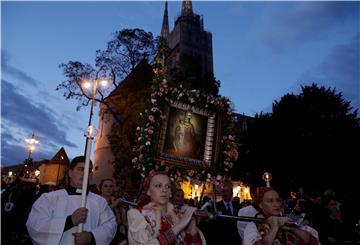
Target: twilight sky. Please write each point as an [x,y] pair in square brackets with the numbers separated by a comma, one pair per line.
[261,51]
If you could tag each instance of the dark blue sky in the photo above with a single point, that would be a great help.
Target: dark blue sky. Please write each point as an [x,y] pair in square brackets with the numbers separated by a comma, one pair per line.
[261,51]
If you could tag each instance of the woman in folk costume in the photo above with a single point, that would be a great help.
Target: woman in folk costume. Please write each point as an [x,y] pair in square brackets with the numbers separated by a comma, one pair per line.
[155,222]
[277,230]
[107,191]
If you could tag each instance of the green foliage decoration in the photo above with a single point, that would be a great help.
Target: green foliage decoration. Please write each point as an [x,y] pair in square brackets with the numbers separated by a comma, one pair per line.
[145,148]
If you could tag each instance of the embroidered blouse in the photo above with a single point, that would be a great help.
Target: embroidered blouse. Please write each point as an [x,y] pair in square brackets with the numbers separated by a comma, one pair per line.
[254,234]
[148,226]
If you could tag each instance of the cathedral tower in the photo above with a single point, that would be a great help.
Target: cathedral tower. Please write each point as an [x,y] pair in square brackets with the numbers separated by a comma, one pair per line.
[165,25]
[188,38]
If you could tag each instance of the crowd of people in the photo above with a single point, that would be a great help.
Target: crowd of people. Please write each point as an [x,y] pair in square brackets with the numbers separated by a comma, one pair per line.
[163,216]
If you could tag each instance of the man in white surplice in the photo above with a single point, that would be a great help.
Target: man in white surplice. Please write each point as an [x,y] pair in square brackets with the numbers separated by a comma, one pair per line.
[55,215]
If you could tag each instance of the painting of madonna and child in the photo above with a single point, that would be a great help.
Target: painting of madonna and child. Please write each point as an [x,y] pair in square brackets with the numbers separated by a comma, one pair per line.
[185,134]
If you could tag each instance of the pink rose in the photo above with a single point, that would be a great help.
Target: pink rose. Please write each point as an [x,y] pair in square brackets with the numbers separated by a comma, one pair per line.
[134,160]
[151,118]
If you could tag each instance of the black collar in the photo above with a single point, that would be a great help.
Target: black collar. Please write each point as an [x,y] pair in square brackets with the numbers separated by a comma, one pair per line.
[74,191]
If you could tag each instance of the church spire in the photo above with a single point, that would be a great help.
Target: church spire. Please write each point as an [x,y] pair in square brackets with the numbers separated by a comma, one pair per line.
[165,25]
[186,8]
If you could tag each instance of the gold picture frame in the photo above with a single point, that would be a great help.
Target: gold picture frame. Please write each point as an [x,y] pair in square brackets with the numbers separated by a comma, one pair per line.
[188,136]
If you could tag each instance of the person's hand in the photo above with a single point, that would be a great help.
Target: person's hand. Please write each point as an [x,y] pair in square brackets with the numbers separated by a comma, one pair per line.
[184,221]
[192,228]
[79,216]
[115,203]
[276,222]
[82,238]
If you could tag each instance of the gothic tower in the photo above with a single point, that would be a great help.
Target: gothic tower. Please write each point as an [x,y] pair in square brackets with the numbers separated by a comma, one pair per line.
[188,38]
[165,25]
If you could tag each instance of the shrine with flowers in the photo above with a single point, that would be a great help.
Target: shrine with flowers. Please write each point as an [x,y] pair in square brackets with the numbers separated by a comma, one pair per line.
[173,118]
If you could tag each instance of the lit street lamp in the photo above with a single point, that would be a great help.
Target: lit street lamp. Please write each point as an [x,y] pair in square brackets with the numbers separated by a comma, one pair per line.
[87,85]
[30,148]
[31,145]
[89,134]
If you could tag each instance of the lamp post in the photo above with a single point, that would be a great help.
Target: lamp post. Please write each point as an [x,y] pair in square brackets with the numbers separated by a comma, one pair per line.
[31,145]
[89,134]
[87,85]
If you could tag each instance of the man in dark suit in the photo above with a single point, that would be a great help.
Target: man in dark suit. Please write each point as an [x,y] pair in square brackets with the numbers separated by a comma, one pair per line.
[223,231]
[227,229]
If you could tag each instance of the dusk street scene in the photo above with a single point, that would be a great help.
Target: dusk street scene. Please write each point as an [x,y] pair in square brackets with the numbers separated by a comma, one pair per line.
[180,122]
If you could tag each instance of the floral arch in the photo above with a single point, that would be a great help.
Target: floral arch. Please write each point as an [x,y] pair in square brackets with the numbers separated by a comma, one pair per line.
[145,152]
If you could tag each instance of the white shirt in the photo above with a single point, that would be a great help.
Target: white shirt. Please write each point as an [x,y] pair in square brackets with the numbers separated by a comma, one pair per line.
[48,215]
[248,211]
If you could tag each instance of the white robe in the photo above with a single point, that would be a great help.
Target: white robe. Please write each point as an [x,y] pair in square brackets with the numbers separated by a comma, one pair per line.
[48,215]
[248,211]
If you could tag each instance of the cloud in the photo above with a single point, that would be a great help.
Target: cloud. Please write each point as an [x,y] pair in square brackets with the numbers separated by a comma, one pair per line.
[11,154]
[340,69]
[20,111]
[305,21]
[7,68]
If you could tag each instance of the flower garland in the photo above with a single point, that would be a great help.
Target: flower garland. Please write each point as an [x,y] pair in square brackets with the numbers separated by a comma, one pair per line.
[145,148]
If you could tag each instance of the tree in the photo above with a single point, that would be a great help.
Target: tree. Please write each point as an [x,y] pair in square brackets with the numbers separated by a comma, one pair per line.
[126,49]
[306,136]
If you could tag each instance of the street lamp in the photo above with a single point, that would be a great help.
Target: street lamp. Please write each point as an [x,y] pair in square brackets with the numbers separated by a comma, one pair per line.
[31,145]
[30,148]
[87,85]
[89,134]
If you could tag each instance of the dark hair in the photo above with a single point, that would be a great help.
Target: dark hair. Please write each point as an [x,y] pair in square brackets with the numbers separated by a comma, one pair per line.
[102,182]
[177,190]
[77,160]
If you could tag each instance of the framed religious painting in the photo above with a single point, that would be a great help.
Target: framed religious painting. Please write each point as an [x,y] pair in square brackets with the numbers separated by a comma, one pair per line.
[187,136]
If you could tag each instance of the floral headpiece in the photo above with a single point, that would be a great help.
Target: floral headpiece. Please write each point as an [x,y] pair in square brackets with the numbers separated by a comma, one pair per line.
[260,192]
[147,179]
[144,198]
